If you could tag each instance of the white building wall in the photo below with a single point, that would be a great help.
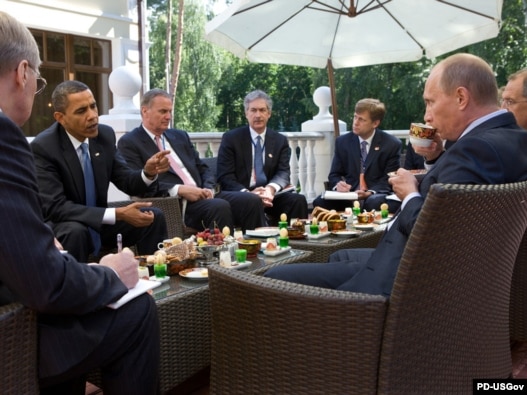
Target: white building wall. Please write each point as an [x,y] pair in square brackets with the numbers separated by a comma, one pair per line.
[115,20]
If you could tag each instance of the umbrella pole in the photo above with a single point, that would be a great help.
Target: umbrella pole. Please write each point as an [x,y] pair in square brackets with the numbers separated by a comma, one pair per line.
[333,99]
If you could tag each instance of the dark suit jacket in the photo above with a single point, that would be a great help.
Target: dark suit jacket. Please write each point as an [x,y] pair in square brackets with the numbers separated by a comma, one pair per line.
[61,181]
[235,159]
[492,153]
[412,160]
[63,291]
[137,147]
[383,157]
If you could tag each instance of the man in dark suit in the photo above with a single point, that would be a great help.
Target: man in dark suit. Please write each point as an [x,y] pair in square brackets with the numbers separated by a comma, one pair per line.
[461,102]
[203,208]
[412,160]
[58,159]
[77,333]
[237,169]
[514,96]
[363,158]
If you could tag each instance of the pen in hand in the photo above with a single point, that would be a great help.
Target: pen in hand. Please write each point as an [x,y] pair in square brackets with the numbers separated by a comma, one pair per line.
[119,242]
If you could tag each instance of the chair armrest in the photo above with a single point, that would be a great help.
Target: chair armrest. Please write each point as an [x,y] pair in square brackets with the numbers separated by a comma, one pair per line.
[18,350]
[171,207]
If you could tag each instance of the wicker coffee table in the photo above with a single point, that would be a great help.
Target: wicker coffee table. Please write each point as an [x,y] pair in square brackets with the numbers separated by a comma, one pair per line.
[184,314]
[322,248]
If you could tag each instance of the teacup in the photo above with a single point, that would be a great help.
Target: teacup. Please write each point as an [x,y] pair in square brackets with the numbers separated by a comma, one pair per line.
[165,244]
[421,135]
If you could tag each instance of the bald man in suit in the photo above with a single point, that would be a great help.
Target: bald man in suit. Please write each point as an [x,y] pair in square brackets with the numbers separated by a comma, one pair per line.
[461,102]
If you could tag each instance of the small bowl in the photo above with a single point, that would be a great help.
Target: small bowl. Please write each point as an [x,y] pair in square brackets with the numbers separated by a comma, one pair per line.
[336,224]
[251,245]
[365,218]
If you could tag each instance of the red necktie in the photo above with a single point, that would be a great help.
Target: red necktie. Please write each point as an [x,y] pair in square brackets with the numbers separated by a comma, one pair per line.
[174,165]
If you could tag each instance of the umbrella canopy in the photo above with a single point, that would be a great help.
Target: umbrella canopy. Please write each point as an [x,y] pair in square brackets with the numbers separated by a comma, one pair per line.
[339,33]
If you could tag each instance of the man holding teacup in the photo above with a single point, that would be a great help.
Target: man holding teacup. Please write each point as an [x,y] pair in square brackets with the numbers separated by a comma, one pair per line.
[461,97]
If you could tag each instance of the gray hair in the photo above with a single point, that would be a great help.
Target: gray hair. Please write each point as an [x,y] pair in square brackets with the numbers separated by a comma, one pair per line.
[59,97]
[147,98]
[16,44]
[523,75]
[257,94]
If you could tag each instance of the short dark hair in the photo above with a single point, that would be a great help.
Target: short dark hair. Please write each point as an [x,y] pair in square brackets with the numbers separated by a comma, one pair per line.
[59,97]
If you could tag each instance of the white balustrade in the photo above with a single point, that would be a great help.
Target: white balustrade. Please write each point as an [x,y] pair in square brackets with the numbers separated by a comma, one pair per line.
[312,149]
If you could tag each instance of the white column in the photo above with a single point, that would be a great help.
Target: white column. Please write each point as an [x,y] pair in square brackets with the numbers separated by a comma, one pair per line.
[125,84]
[323,151]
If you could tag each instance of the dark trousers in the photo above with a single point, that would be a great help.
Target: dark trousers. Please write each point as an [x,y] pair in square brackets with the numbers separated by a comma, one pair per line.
[371,203]
[128,355]
[340,268]
[294,205]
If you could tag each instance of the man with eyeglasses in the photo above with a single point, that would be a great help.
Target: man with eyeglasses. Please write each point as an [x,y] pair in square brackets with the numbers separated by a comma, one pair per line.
[41,82]
[77,333]
[514,96]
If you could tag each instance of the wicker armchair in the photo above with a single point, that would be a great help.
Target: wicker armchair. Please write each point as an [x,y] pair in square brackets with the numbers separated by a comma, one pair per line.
[18,350]
[445,323]
[172,209]
[518,306]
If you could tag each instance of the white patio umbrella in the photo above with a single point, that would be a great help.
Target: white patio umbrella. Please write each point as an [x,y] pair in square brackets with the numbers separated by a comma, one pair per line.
[340,33]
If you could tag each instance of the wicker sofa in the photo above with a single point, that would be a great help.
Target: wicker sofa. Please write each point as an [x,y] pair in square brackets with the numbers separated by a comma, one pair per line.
[446,322]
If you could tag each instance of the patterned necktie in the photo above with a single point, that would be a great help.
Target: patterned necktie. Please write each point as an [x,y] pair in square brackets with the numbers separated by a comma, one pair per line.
[91,195]
[259,175]
[173,164]
[363,155]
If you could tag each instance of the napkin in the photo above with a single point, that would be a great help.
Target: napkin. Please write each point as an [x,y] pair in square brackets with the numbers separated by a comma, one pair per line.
[334,195]
[140,288]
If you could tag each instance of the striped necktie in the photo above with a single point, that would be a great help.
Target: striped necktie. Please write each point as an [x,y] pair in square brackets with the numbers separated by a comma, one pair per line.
[174,165]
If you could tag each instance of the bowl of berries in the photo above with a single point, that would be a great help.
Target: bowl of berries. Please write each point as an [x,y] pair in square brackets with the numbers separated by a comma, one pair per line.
[210,242]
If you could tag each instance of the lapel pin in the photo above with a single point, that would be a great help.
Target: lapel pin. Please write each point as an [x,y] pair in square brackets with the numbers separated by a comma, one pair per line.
[376,148]
[270,155]
[96,154]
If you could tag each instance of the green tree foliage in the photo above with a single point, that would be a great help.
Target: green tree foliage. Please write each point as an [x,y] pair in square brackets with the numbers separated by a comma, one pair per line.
[290,88]
[400,85]
[214,82]
[201,68]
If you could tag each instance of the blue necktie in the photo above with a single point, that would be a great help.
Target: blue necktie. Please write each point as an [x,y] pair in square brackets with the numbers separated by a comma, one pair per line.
[260,178]
[91,196]
[363,155]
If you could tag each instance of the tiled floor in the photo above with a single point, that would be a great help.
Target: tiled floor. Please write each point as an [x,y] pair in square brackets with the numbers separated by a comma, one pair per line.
[519,370]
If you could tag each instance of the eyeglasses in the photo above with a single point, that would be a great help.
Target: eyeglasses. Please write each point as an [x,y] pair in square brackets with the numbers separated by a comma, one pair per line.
[509,102]
[41,82]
